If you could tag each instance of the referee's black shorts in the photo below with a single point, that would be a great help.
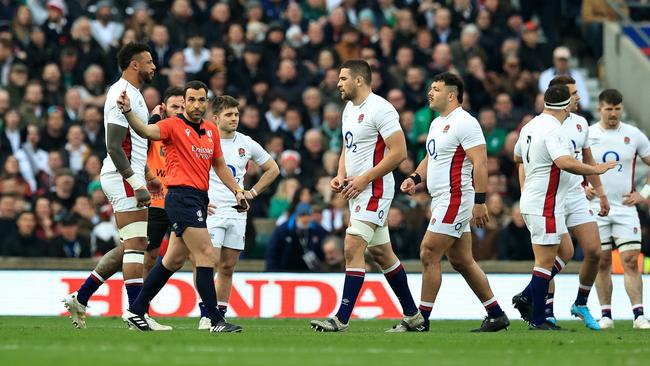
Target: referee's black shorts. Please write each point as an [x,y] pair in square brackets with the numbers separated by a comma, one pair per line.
[186,207]
[157,227]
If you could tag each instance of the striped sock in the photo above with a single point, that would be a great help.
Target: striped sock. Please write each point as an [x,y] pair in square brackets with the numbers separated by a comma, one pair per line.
[396,277]
[558,265]
[133,288]
[638,310]
[89,287]
[223,307]
[583,295]
[352,286]
[606,311]
[539,289]
[425,309]
[492,307]
[548,309]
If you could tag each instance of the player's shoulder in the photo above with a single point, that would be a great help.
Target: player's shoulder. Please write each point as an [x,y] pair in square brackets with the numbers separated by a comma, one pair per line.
[628,128]
[379,103]
[579,120]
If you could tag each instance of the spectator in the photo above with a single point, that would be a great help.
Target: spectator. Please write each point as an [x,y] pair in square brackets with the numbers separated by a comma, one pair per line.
[282,198]
[514,239]
[85,42]
[75,151]
[333,252]
[403,61]
[495,137]
[312,157]
[295,246]
[561,56]
[508,116]
[18,79]
[93,130]
[32,159]
[401,237]
[441,60]
[104,235]
[414,88]
[484,243]
[277,107]
[46,228]
[93,90]
[312,108]
[24,243]
[64,193]
[466,47]
[53,134]
[31,108]
[85,216]
[179,23]
[105,31]
[535,56]
[195,53]
[56,27]
[6,61]
[69,244]
[443,32]
[161,50]
[292,129]
[5,102]
[72,106]
[13,135]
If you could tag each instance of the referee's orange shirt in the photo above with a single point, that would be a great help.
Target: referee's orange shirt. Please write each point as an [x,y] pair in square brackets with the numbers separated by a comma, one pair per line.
[190,149]
[156,161]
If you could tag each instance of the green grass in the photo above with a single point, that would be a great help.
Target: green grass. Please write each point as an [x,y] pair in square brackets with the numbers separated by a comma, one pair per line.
[53,341]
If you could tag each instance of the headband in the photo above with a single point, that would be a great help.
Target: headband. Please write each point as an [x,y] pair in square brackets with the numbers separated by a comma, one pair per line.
[559,105]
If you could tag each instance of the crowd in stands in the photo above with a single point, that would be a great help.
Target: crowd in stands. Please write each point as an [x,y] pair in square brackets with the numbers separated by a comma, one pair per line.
[280,59]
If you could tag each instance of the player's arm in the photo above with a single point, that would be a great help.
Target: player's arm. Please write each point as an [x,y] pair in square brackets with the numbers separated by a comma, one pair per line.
[478,156]
[570,164]
[225,176]
[595,184]
[338,183]
[396,144]
[636,197]
[270,172]
[151,132]
[115,135]
[415,178]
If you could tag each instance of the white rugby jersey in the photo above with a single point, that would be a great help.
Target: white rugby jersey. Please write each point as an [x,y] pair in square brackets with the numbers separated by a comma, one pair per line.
[236,152]
[576,129]
[540,142]
[365,127]
[134,146]
[622,145]
[449,171]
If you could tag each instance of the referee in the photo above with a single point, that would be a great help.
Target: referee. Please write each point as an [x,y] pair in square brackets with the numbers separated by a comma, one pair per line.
[193,147]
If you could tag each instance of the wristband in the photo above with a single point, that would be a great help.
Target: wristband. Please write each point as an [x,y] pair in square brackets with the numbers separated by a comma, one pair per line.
[254,192]
[125,112]
[238,190]
[136,182]
[479,198]
[417,179]
[645,191]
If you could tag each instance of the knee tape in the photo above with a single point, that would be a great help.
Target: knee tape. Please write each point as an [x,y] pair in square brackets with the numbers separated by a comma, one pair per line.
[381,236]
[133,256]
[358,228]
[136,229]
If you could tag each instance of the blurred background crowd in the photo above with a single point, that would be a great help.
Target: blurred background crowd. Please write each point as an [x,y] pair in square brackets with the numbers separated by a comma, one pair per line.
[280,59]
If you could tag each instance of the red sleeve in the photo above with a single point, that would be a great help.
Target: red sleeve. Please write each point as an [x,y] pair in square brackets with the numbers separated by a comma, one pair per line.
[165,127]
[217,145]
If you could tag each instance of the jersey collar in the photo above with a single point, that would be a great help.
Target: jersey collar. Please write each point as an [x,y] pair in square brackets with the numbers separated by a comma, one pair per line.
[195,126]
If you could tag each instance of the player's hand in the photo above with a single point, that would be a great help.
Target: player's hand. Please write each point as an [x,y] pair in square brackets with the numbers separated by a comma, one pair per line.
[249,195]
[242,204]
[337,184]
[143,197]
[154,185]
[212,209]
[632,199]
[408,186]
[159,110]
[590,192]
[602,168]
[354,186]
[604,206]
[480,215]
[123,101]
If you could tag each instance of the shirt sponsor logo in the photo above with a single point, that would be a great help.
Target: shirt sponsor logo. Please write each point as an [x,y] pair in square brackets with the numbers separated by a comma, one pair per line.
[202,152]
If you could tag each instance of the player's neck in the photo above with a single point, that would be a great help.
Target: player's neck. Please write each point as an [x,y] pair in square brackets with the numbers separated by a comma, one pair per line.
[362,95]
[450,108]
[132,78]
[226,135]
[605,126]
[557,114]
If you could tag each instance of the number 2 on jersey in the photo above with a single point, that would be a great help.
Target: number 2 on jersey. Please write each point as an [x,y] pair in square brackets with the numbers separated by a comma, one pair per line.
[234,173]
[617,158]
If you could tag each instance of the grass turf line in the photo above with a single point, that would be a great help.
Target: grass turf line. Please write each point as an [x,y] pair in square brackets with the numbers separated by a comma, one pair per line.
[53,341]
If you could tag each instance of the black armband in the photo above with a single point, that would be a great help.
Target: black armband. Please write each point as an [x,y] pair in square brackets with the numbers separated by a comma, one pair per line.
[479,198]
[417,179]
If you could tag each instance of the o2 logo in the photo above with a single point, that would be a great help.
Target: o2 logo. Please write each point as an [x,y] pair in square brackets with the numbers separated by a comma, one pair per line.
[349,142]
[381,214]
[431,149]
[619,167]
[234,173]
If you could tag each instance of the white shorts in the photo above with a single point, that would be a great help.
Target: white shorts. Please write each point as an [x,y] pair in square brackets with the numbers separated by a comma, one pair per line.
[119,192]
[451,219]
[577,209]
[227,232]
[370,209]
[621,227]
[545,230]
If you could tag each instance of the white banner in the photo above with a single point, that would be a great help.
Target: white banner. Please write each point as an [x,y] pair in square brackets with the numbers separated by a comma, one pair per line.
[290,295]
